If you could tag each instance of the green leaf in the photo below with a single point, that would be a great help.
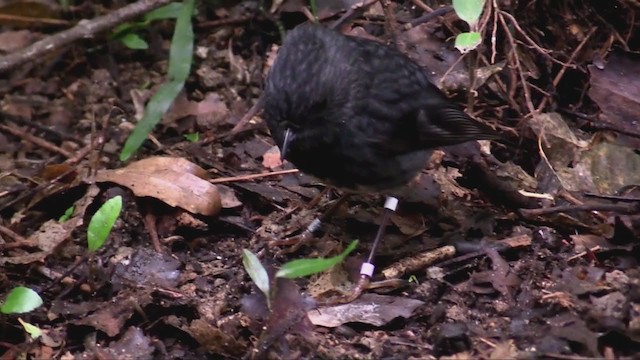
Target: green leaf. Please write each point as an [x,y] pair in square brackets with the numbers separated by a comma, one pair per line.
[256,271]
[156,107]
[134,41]
[32,330]
[194,137]
[169,11]
[21,300]
[305,267]
[102,222]
[67,214]
[468,41]
[180,59]
[123,29]
[181,51]
[469,10]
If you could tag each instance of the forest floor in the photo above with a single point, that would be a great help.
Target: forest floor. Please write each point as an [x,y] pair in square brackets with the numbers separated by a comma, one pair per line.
[526,248]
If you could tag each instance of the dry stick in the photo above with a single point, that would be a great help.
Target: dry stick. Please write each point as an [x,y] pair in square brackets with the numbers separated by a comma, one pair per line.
[618,208]
[32,20]
[613,197]
[584,253]
[84,29]
[39,127]
[252,176]
[544,52]
[249,115]
[10,234]
[514,50]
[560,74]
[74,160]
[428,17]
[494,31]
[422,5]
[36,140]
[222,22]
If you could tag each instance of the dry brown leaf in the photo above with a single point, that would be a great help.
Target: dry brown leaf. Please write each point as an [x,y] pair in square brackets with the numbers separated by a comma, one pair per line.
[171,180]
[156,163]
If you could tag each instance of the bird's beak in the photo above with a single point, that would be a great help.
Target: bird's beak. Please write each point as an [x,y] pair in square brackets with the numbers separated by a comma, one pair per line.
[285,144]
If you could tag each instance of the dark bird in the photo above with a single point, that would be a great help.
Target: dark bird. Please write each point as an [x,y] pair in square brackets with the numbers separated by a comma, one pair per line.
[356,113]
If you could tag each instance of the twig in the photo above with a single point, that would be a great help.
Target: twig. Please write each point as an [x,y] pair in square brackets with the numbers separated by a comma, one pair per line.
[585,253]
[249,115]
[35,140]
[532,43]
[74,160]
[613,197]
[15,237]
[516,59]
[494,31]
[252,176]
[422,5]
[560,74]
[84,29]
[223,22]
[39,127]
[428,17]
[32,20]
[617,208]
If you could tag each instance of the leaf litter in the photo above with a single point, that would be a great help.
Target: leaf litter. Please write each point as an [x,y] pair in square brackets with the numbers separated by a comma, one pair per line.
[556,277]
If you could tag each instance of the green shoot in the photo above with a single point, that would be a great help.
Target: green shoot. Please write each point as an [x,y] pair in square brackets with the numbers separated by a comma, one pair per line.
[102,222]
[305,267]
[180,59]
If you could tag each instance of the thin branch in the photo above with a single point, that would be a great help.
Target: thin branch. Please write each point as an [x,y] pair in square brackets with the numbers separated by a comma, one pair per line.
[84,29]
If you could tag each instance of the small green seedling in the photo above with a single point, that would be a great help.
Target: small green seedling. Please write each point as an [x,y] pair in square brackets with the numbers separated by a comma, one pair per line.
[291,270]
[193,137]
[21,300]
[305,267]
[257,273]
[414,279]
[33,331]
[128,35]
[469,11]
[67,214]
[102,222]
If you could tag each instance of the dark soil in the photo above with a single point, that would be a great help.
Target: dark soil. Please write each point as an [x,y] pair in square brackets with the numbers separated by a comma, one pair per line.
[540,240]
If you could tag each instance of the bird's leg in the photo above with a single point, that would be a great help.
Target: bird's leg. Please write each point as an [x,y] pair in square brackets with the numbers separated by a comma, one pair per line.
[309,233]
[367,268]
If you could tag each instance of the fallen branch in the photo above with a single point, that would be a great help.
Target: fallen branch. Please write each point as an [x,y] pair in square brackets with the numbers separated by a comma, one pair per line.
[84,29]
